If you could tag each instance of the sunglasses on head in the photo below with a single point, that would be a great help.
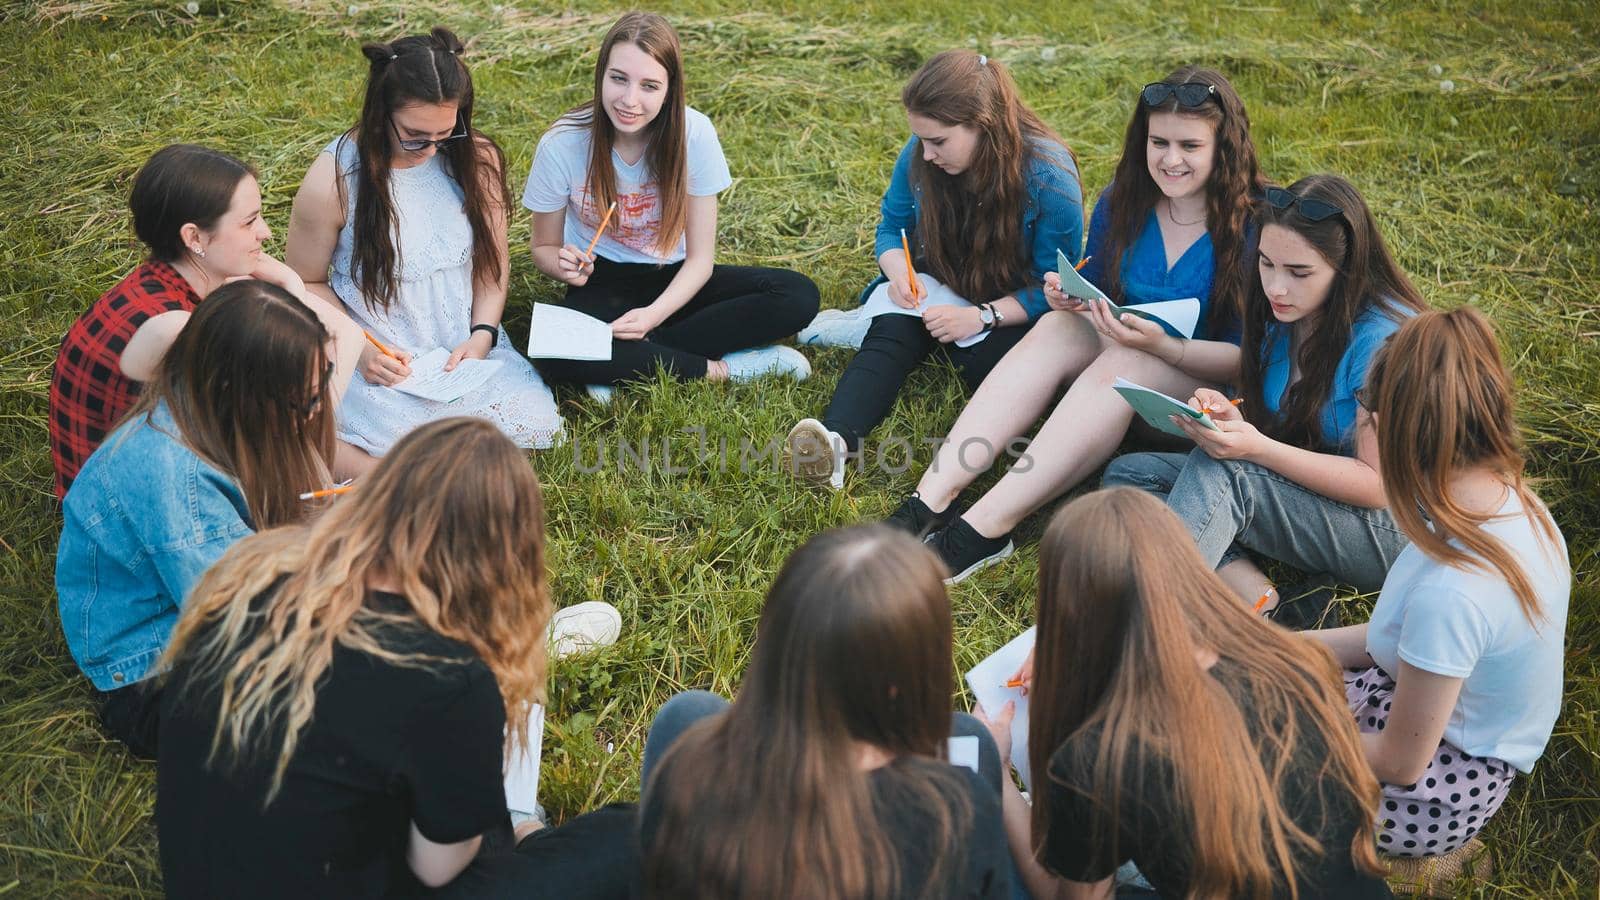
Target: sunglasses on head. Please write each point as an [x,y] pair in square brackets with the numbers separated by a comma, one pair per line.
[1190,94]
[412,145]
[1313,209]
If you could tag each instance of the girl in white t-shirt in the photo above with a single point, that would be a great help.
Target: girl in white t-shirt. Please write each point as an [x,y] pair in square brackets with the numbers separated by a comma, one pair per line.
[651,274]
[1456,680]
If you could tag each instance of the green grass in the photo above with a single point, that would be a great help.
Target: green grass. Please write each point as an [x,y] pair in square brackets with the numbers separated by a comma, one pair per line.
[1487,192]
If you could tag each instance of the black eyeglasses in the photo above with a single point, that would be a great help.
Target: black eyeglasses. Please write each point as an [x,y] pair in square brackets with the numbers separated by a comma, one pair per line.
[1313,209]
[412,145]
[1190,94]
[307,410]
[1363,398]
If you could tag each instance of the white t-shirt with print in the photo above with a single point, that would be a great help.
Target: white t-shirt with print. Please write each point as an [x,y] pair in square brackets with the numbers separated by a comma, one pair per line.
[1468,625]
[559,180]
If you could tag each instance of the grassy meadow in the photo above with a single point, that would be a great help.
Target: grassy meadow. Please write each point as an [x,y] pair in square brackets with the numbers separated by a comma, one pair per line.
[1474,135]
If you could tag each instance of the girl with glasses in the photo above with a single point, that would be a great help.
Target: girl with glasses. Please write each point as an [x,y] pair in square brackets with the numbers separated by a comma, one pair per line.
[234,426]
[1291,472]
[981,198]
[403,220]
[1175,223]
[1456,680]
[623,192]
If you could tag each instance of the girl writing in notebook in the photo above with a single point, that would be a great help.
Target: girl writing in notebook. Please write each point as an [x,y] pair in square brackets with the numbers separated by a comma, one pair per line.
[1169,727]
[1292,471]
[235,424]
[1456,680]
[198,213]
[403,220]
[985,194]
[1175,223]
[342,694]
[825,777]
[623,192]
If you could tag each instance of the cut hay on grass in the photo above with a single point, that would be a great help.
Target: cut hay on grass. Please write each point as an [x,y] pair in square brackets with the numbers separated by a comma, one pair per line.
[1475,138]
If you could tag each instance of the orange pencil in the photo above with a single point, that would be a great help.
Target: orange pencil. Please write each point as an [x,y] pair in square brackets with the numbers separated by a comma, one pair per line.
[1208,410]
[327,492]
[911,274]
[1265,596]
[379,344]
[1015,683]
[601,230]
[1081,263]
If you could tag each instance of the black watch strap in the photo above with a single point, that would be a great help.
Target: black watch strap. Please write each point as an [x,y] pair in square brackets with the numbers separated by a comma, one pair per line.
[494,333]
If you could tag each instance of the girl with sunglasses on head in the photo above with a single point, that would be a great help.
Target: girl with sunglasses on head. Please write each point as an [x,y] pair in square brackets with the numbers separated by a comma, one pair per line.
[826,777]
[623,192]
[985,194]
[403,220]
[198,212]
[1456,680]
[1170,728]
[335,721]
[1291,472]
[1175,223]
[235,425]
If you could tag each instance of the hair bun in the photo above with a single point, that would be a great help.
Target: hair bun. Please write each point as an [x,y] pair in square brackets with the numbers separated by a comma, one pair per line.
[446,40]
[378,53]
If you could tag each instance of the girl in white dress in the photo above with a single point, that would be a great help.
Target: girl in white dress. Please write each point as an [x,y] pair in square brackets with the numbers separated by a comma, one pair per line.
[403,220]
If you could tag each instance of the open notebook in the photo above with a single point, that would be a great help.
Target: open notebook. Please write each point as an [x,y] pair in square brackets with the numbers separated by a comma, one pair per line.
[1177,317]
[1155,407]
[988,683]
[430,381]
[933,294]
[561,333]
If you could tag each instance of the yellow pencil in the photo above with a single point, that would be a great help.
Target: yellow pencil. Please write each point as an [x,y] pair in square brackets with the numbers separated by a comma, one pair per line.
[1208,410]
[379,344]
[911,274]
[326,492]
[601,230]
[1081,263]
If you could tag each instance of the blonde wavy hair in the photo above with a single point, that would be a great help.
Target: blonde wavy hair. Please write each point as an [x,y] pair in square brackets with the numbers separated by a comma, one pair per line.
[453,518]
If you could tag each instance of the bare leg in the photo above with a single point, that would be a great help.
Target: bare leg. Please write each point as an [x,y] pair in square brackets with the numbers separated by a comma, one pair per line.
[350,461]
[1021,386]
[1247,581]
[1080,435]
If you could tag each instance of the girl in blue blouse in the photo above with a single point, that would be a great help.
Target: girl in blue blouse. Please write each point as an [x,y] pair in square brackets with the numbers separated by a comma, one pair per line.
[1292,471]
[985,193]
[1175,223]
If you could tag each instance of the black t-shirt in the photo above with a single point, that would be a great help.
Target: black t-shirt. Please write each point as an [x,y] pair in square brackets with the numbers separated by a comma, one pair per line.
[1153,834]
[983,872]
[386,745]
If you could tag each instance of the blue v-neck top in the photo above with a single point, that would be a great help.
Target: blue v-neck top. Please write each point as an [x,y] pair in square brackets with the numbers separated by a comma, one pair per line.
[1145,277]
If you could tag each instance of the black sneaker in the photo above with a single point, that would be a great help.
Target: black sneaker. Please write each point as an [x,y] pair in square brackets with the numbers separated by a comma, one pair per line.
[965,551]
[1308,605]
[915,518]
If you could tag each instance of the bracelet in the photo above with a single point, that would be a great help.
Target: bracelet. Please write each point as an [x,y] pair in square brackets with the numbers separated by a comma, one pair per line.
[494,333]
[1183,348]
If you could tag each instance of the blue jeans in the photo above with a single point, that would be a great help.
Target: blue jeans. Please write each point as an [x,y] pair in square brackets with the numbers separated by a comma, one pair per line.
[1229,505]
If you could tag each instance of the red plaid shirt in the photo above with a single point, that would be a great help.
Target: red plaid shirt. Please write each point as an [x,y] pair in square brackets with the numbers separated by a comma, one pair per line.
[88,392]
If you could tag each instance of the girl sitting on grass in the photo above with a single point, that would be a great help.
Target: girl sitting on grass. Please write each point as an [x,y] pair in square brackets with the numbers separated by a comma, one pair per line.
[1292,472]
[826,777]
[986,194]
[198,212]
[634,174]
[1175,223]
[403,220]
[1171,728]
[1456,680]
[235,425]
[342,695]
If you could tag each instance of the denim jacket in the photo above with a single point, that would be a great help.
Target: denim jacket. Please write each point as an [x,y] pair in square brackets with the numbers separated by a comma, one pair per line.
[1052,218]
[143,521]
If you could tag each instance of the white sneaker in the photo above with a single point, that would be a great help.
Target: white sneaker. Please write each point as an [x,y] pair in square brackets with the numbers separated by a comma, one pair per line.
[583,627]
[835,328]
[774,359]
[817,454]
[600,393]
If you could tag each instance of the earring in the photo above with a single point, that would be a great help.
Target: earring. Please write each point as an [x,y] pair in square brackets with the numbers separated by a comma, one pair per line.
[199,252]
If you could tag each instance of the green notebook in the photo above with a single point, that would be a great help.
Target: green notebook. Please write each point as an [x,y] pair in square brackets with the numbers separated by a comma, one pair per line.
[1177,317]
[1155,407]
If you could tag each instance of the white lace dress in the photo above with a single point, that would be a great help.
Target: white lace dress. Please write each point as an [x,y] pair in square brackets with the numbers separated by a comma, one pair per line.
[432,307]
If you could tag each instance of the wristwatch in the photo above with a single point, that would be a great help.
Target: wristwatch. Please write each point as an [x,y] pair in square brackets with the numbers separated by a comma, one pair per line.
[990,317]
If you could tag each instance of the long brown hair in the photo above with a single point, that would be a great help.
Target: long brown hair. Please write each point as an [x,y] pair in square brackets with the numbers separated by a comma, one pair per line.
[1365,277]
[1231,191]
[1440,378]
[767,799]
[1125,605]
[970,233]
[666,151]
[247,383]
[426,69]
[453,515]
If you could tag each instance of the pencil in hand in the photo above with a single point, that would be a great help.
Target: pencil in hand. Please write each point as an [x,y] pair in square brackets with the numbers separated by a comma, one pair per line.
[327,492]
[1081,263]
[911,273]
[1206,410]
[384,350]
[589,252]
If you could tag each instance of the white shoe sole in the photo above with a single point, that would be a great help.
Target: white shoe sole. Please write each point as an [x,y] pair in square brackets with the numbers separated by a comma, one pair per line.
[994,558]
[813,456]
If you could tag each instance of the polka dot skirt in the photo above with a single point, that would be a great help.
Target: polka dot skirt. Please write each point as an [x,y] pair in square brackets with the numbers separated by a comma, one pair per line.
[1455,797]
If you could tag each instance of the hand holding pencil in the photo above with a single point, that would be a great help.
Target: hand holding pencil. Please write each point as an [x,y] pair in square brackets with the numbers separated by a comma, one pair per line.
[577,265]
[381,364]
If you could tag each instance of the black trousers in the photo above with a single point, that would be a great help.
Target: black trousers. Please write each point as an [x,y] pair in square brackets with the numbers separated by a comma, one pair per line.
[739,307]
[592,857]
[894,346]
[132,715]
